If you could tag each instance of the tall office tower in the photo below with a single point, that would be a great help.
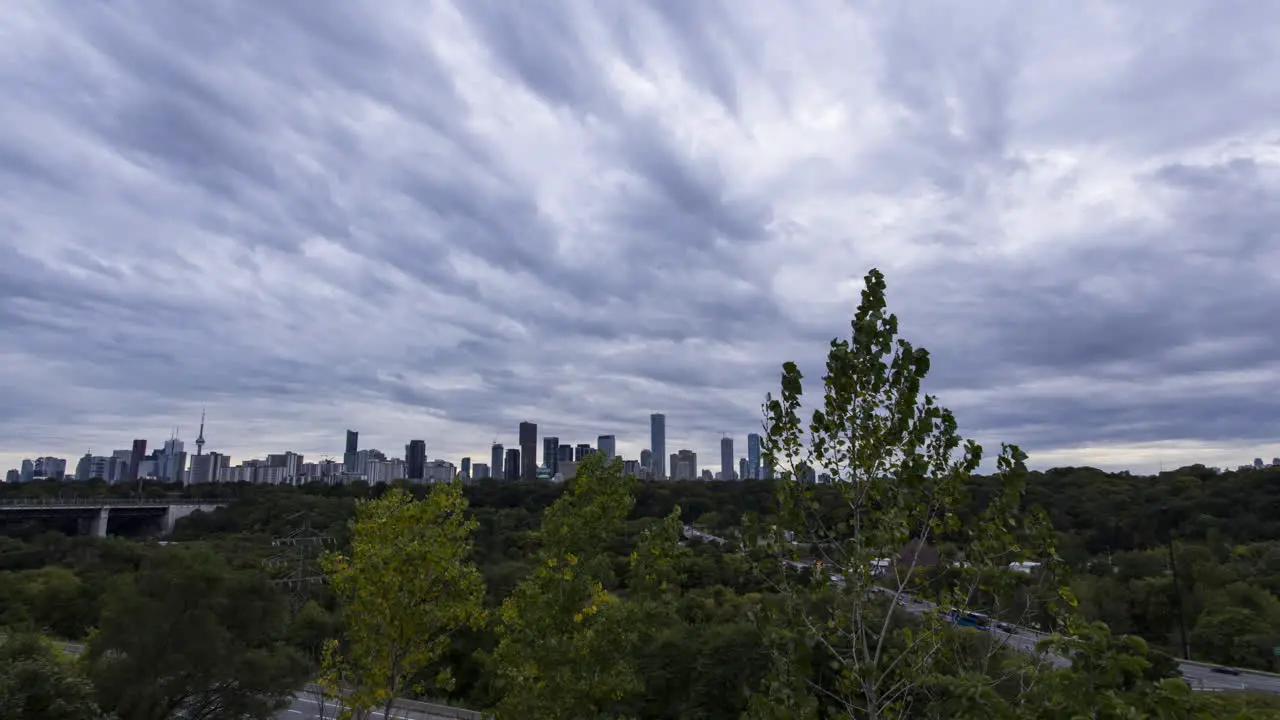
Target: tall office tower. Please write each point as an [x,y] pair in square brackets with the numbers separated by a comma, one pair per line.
[608,445]
[581,452]
[29,470]
[136,454]
[495,460]
[353,447]
[726,458]
[415,460]
[646,461]
[178,467]
[480,470]
[753,456]
[563,455]
[511,470]
[466,468]
[172,460]
[528,451]
[658,444]
[13,476]
[551,453]
[742,469]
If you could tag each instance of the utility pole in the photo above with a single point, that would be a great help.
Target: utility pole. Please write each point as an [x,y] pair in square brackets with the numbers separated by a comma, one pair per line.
[297,563]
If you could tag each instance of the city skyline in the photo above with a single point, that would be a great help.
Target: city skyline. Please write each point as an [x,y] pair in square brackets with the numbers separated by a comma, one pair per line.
[418,448]
[441,221]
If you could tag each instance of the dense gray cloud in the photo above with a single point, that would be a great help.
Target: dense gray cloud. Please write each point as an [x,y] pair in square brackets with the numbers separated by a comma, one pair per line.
[436,220]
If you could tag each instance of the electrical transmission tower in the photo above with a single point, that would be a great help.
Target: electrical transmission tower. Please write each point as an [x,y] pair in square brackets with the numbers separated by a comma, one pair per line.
[296,564]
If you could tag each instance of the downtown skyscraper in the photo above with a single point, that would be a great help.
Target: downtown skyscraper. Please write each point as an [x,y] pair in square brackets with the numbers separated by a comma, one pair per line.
[496,458]
[528,451]
[608,445]
[726,458]
[551,454]
[753,456]
[658,445]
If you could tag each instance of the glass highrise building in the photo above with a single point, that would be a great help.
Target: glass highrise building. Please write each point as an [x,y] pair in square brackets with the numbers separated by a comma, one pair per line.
[528,451]
[726,458]
[415,460]
[551,454]
[753,456]
[349,457]
[608,445]
[658,444]
[495,461]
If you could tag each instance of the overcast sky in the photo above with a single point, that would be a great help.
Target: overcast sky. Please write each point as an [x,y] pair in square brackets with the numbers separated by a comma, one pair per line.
[434,220]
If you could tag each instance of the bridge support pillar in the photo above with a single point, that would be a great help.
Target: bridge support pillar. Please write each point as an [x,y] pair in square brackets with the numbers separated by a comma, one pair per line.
[98,525]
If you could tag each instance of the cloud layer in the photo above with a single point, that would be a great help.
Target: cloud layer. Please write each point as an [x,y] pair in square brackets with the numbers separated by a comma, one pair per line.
[435,220]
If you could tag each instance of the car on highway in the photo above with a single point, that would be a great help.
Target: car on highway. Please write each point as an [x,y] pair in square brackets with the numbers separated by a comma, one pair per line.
[1222,670]
[1006,627]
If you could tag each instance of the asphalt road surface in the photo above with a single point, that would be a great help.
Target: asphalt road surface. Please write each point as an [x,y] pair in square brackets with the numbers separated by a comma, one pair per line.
[306,707]
[1198,675]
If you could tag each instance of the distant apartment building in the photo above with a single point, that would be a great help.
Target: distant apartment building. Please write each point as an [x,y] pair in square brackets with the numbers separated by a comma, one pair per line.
[480,471]
[568,471]
[726,458]
[646,462]
[496,458]
[466,468]
[743,469]
[581,451]
[753,457]
[108,468]
[608,445]
[564,454]
[28,472]
[631,467]
[49,467]
[415,460]
[658,444]
[136,455]
[551,453]
[384,470]
[438,471]
[13,476]
[350,457]
[511,466]
[684,465]
[203,469]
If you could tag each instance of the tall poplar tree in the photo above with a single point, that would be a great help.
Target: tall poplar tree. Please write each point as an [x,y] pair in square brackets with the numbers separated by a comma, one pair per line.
[406,586]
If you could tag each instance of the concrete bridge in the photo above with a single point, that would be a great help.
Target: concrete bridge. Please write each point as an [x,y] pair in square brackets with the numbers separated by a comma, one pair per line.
[94,516]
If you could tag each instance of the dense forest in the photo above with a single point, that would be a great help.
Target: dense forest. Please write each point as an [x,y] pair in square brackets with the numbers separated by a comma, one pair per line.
[703,660]
[588,600]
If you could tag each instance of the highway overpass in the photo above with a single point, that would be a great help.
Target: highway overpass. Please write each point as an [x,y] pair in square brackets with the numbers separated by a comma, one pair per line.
[100,516]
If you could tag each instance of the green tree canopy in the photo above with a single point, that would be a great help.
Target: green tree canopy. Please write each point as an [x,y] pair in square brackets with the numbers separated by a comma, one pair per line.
[190,637]
[406,586]
[37,682]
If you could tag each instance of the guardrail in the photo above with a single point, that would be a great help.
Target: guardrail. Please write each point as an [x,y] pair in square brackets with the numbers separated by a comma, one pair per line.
[417,706]
[103,502]
[1243,671]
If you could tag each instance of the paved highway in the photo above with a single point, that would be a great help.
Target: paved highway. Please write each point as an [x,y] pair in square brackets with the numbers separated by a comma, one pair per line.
[306,707]
[1199,676]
